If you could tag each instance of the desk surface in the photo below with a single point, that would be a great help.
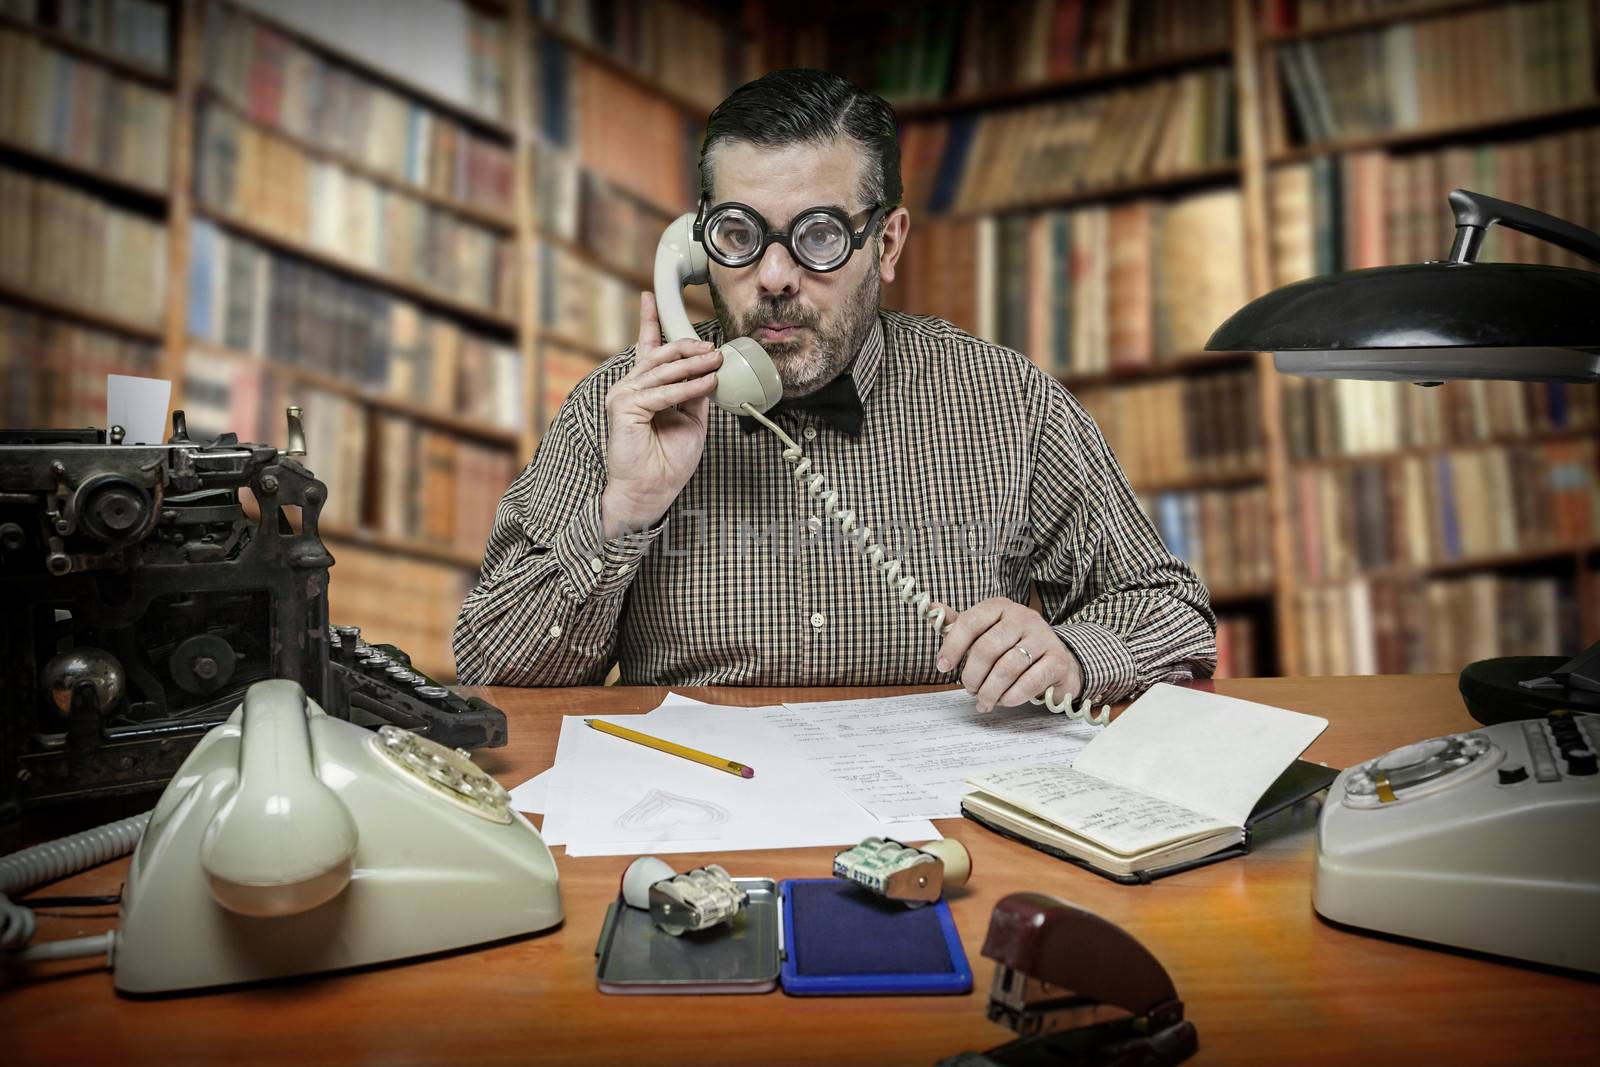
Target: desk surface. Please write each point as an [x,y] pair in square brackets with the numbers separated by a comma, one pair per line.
[1263,979]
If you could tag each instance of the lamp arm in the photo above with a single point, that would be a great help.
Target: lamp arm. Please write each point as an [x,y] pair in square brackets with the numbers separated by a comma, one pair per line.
[1475,213]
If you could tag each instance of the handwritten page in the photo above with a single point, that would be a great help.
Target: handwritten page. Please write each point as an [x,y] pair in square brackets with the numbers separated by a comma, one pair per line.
[1121,820]
[612,797]
[908,757]
[1204,751]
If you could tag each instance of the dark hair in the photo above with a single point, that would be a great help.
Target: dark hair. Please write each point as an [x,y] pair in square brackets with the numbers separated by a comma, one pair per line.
[798,106]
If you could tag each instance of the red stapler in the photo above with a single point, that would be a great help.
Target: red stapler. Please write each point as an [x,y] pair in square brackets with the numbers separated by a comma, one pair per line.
[1079,991]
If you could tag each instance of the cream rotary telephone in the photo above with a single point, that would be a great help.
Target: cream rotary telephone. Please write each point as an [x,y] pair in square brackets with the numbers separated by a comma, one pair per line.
[291,842]
[748,384]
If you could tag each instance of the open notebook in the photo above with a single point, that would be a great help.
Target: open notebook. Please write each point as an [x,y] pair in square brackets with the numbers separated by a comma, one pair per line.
[1176,780]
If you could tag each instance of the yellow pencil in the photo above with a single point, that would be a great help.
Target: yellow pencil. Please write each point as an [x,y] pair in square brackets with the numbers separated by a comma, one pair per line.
[671,749]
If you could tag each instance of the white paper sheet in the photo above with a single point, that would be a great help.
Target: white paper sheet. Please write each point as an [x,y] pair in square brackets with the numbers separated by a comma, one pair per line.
[1205,751]
[531,795]
[139,406]
[613,797]
[909,757]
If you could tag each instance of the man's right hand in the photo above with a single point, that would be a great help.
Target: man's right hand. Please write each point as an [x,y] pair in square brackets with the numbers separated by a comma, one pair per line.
[657,415]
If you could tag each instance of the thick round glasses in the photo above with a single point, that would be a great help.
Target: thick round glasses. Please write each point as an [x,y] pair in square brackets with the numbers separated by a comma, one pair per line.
[819,238]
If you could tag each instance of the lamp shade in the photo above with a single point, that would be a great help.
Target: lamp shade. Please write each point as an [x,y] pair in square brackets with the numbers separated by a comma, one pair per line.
[1429,322]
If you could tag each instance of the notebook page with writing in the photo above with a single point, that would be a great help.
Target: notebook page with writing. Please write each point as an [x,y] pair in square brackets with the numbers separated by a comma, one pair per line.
[1212,753]
[1121,820]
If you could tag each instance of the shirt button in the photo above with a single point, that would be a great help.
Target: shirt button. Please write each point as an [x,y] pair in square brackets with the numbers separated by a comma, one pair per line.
[809,433]
[817,620]
[597,564]
[815,523]
[555,630]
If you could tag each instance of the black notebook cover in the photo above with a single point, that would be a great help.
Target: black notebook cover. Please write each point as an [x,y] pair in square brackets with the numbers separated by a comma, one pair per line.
[1299,781]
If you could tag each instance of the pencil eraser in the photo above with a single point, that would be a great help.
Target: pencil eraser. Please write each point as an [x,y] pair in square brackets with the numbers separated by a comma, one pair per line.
[748,772]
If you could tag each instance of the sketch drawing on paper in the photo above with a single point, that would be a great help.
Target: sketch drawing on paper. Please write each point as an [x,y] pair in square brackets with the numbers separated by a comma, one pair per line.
[661,810]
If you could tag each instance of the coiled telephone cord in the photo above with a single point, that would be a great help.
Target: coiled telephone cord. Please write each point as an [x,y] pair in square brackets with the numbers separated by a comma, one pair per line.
[21,871]
[905,586]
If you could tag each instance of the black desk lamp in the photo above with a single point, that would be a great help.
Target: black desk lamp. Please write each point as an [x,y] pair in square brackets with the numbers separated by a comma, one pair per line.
[1436,321]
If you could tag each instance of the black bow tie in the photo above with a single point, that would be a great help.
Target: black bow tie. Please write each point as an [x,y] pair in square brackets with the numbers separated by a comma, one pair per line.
[836,404]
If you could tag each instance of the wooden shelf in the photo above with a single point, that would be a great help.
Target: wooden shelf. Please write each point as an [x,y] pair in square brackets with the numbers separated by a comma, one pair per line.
[402,546]
[462,113]
[1387,18]
[1445,568]
[1539,437]
[588,348]
[1204,480]
[98,179]
[1226,598]
[1165,367]
[495,220]
[635,278]
[600,57]
[1474,130]
[420,412]
[1166,183]
[422,294]
[66,42]
[922,110]
[87,316]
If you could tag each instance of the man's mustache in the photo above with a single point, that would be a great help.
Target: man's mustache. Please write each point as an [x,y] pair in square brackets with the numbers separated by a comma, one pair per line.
[787,312]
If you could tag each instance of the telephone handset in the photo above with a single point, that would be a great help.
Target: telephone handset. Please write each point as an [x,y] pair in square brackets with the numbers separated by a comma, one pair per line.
[748,384]
[747,378]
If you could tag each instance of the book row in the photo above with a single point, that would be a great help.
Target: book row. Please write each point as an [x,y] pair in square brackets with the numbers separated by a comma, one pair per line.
[681,46]
[1324,418]
[564,368]
[1286,16]
[1439,625]
[64,245]
[53,373]
[916,52]
[1372,208]
[1236,647]
[385,473]
[251,300]
[1430,73]
[585,305]
[278,83]
[578,205]
[249,173]
[131,30]
[1178,429]
[1026,155]
[1221,533]
[1457,505]
[80,112]
[1111,288]
[630,137]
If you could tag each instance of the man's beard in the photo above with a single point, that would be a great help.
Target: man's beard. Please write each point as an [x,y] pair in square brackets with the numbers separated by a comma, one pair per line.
[806,364]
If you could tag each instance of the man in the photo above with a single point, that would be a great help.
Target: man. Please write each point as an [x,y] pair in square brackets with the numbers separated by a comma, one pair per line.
[659,531]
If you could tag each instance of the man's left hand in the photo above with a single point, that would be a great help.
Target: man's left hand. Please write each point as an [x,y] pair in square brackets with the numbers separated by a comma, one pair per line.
[1012,655]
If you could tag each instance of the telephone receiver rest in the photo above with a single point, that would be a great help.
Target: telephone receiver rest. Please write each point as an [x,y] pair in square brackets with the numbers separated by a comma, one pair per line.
[283,842]
[747,375]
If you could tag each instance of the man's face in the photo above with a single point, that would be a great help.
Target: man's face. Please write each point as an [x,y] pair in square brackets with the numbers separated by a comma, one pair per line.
[810,324]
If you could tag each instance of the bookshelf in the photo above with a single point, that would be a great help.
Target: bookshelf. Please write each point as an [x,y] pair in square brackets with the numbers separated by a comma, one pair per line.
[1162,161]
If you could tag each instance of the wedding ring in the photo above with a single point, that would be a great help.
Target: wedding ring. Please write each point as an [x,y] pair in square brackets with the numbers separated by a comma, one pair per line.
[1025,652]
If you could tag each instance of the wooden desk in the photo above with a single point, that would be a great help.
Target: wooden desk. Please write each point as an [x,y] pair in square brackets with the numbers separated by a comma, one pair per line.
[1263,979]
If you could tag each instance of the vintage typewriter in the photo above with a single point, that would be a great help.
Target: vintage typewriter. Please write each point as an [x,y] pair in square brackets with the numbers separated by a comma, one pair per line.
[141,593]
